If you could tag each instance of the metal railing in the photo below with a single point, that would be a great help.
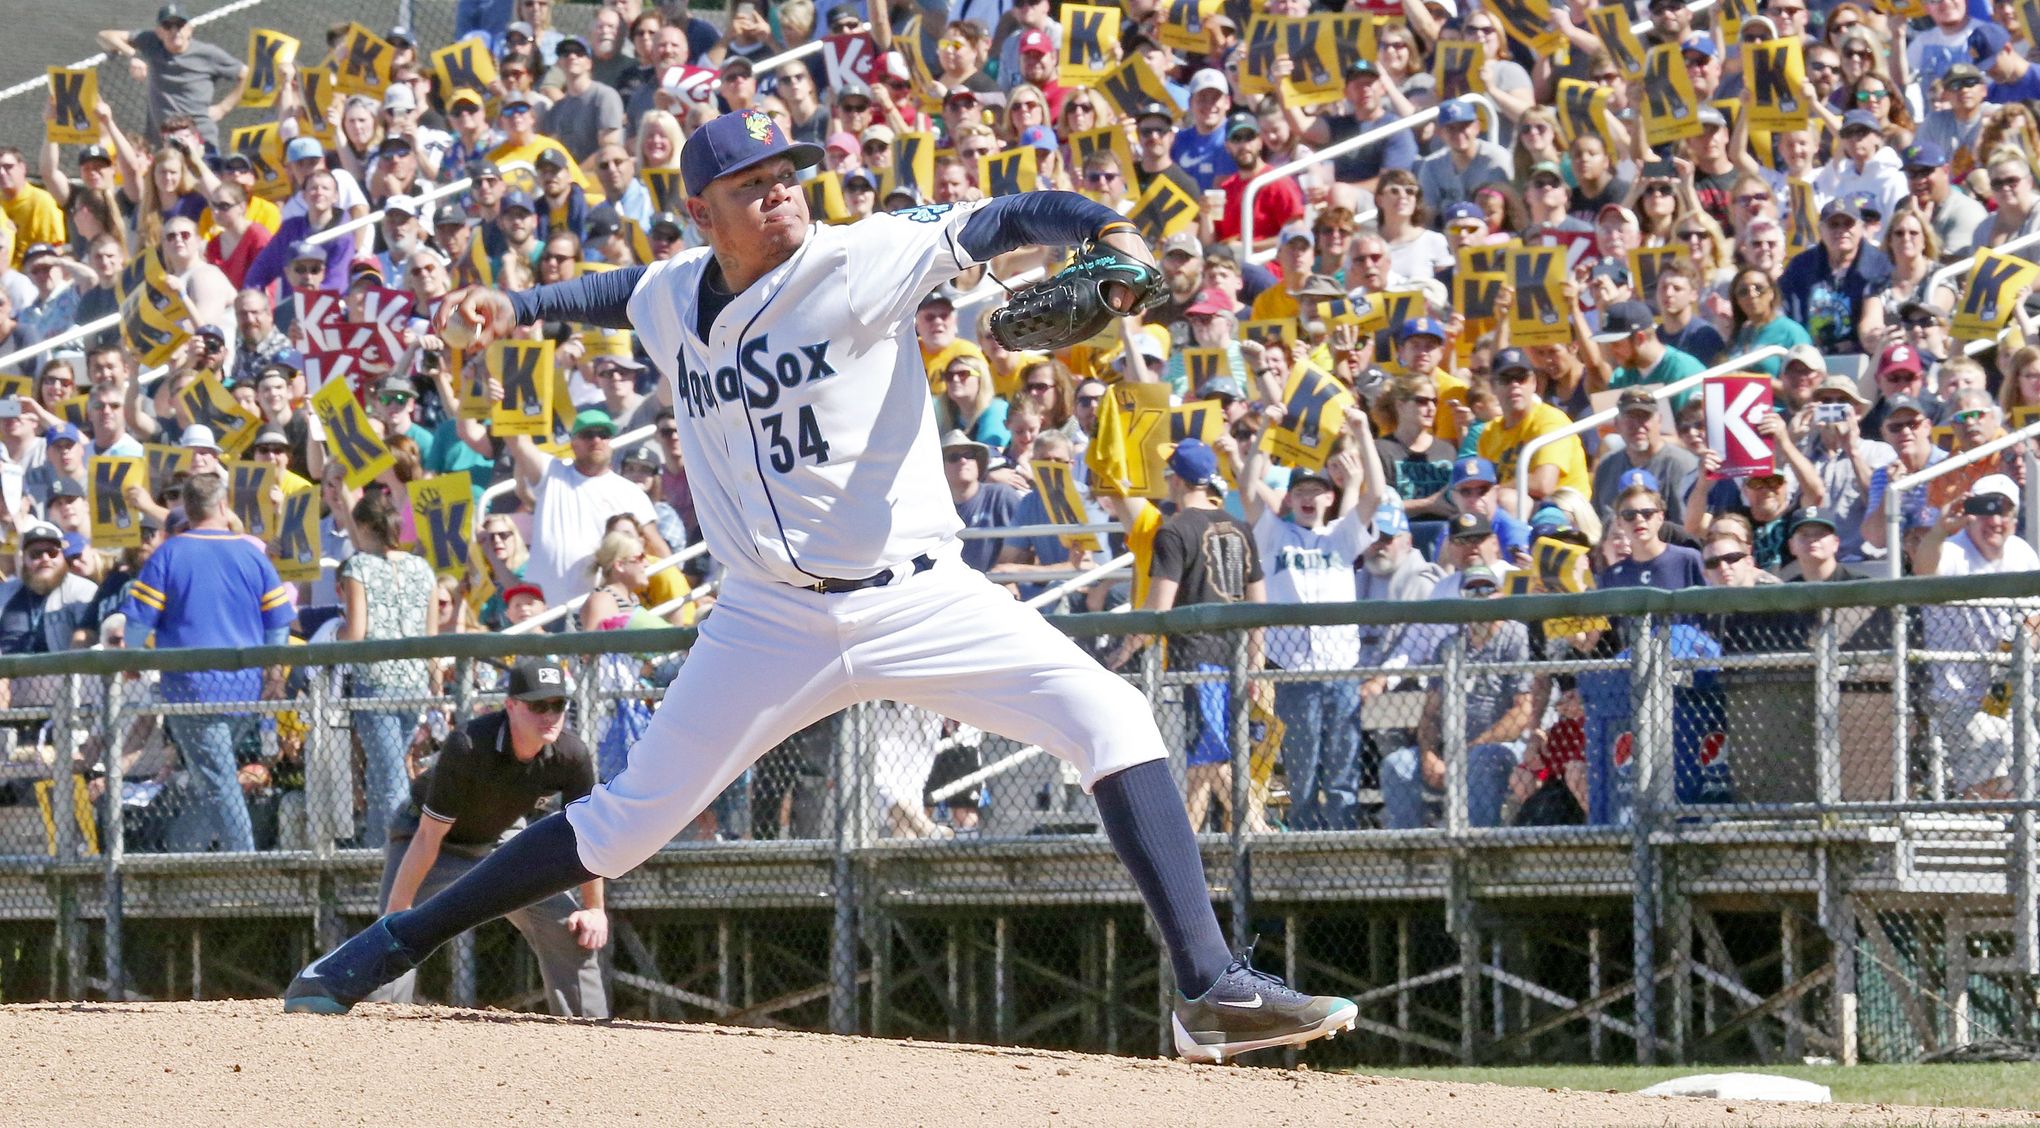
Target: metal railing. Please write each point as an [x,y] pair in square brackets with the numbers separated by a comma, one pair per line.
[1658,392]
[1373,136]
[38,84]
[1947,275]
[498,489]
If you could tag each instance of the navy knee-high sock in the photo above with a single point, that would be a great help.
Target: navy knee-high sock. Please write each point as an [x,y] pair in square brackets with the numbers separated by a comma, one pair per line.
[532,866]
[1144,817]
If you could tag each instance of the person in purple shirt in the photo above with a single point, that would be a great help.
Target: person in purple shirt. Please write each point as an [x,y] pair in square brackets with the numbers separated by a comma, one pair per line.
[322,210]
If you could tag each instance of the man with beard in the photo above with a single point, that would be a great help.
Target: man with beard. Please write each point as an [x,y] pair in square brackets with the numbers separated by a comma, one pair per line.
[574,501]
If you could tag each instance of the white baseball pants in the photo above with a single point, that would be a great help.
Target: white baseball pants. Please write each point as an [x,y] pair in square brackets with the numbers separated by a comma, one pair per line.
[773,659]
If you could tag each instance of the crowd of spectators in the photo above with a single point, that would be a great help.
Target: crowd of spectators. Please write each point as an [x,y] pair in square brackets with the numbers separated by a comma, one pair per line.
[1826,241]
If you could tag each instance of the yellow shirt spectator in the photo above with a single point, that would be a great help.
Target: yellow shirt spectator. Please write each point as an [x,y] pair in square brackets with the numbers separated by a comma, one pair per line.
[33,212]
[1451,390]
[1501,444]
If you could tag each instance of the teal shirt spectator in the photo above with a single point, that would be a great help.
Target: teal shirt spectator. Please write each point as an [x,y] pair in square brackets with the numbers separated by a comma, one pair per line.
[445,453]
[1469,447]
[1672,367]
[1780,330]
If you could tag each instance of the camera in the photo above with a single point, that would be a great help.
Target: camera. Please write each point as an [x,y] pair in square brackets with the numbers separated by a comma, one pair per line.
[429,362]
[1830,413]
[10,407]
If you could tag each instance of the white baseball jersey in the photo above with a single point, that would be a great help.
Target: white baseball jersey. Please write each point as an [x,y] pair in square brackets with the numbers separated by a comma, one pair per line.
[814,455]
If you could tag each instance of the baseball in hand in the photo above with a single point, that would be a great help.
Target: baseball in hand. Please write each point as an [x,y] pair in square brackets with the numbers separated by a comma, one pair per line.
[459,332]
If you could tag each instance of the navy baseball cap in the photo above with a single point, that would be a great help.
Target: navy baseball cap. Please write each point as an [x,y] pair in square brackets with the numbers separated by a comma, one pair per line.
[63,433]
[1860,119]
[1465,211]
[1813,515]
[1473,470]
[1845,206]
[1624,320]
[1194,462]
[1639,477]
[517,199]
[1510,360]
[736,141]
[1925,154]
[1456,112]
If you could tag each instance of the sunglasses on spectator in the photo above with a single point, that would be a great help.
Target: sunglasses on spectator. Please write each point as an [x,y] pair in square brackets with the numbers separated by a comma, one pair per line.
[1725,559]
[496,534]
[1100,177]
[394,399]
[1962,83]
[1639,514]
[1975,415]
[2002,183]
[854,105]
[1900,426]
[1987,505]
[272,448]
[557,257]
[1657,189]
[1820,66]
[1047,387]
[1088,401]
[225,205]
[1872,95]
[546,708]
[959,456]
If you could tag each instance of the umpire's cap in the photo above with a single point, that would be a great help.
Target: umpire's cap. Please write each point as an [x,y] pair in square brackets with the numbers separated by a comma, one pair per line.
[736,141]
[538,679]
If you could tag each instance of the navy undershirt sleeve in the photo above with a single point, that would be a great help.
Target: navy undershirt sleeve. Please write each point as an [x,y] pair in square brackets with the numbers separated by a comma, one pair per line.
[592,299]
[1029,219]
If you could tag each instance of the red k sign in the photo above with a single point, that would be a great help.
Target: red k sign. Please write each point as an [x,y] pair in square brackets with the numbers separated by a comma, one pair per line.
[1735,404]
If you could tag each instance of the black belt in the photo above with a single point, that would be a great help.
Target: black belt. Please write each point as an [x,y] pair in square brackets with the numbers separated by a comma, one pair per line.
[921,564]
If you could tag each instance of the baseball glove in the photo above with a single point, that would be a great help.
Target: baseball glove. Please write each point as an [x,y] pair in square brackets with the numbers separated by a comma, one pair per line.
[1071,307]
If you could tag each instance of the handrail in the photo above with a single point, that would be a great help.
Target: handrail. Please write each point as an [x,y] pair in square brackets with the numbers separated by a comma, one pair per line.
[1379,133]
[438,192]
[506,485]
[707,588]
[1045,530]
[553,614]
[1946,275]
[1894,492]
[1659,392]
[1082,580]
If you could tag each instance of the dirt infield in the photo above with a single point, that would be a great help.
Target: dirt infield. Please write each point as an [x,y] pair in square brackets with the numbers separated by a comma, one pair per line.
[245,1063]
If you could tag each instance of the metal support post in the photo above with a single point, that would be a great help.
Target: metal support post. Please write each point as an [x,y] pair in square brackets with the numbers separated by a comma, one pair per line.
[1901,706]
[463,990]
[850,812]
[69,835]
[2025,922]
[1838,918]
[1827,710]
[1237,697]
[111,833]
[1648,669]
[1452,735]
[329,803]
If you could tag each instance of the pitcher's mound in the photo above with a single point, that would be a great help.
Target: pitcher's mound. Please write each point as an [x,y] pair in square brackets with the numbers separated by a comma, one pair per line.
[161,1065]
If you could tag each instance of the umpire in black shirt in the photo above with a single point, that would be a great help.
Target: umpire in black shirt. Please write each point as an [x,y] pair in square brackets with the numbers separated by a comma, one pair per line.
[487,780]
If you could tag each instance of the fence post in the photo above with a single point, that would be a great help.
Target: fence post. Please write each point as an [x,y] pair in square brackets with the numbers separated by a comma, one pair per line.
[843,772]
[1901,704]
[1827,710]
[1452,734]
[112,848]
[1239,701]
[1645,655]
[2025,924]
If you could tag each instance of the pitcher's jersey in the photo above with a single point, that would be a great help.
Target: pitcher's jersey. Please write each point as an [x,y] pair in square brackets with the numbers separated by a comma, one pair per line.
[805,420]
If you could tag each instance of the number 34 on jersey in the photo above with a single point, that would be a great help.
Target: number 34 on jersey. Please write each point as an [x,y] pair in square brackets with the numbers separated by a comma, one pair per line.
[761,378]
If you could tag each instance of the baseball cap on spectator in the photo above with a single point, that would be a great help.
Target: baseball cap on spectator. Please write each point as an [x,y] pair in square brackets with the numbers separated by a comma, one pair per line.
[959,96]
[1510,360]
[1207,79]
[484,170]
[41,531]
[75,545]
[63,433]
[1420,327]
[1960,72]
[1806,355]
[1194,462]
[1153,346]
[1813,515]
[171,14]
[1548,519]
[1912,310]
[517,199]
[1390,519]
[303,149]
[1636,399]
[1859,119]
[1183,243]
[232,162]
[396,385]
[1622,210]
[449,216]
[1547,168]
[401,36]
[1639,477]
[666,221]
[1867,206]
[1700,45]
[538,679]
[270,437]
[513,101]
[1036,42]
[1761,25]
[1709,116]
[1156,110]
[1466,211]
[1041,137]
[1900,357]
[463,97]
[1221,387]
[843,17]
[1211,301]
[1998,484]
[603,221]
[549,156]
[1473,470]
[1456,111]
[844,141]
[878,133]
[37,251]
[1612,269]
[859,176]
[594,419]
[198,436]
[516,591]
[1623,320]
[1896,404]
[1242,125]
[1361,68]
[98,153]
[1471,526]
[67,487]
[1296,231]
[644,457]
[1304,474]
[400,203]
[1986,39]
[1923,517]
[735,142]
[1320,286]
[1846,385]
[400,97]
[518,27]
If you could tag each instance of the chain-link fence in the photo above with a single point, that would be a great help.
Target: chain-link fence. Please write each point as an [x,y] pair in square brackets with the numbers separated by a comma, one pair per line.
[1628,825]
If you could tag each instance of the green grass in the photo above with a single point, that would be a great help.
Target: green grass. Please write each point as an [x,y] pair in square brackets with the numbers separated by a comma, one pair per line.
[1985,1086]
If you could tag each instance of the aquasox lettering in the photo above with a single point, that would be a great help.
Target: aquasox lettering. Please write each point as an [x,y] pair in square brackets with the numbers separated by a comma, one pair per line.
[759,377]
